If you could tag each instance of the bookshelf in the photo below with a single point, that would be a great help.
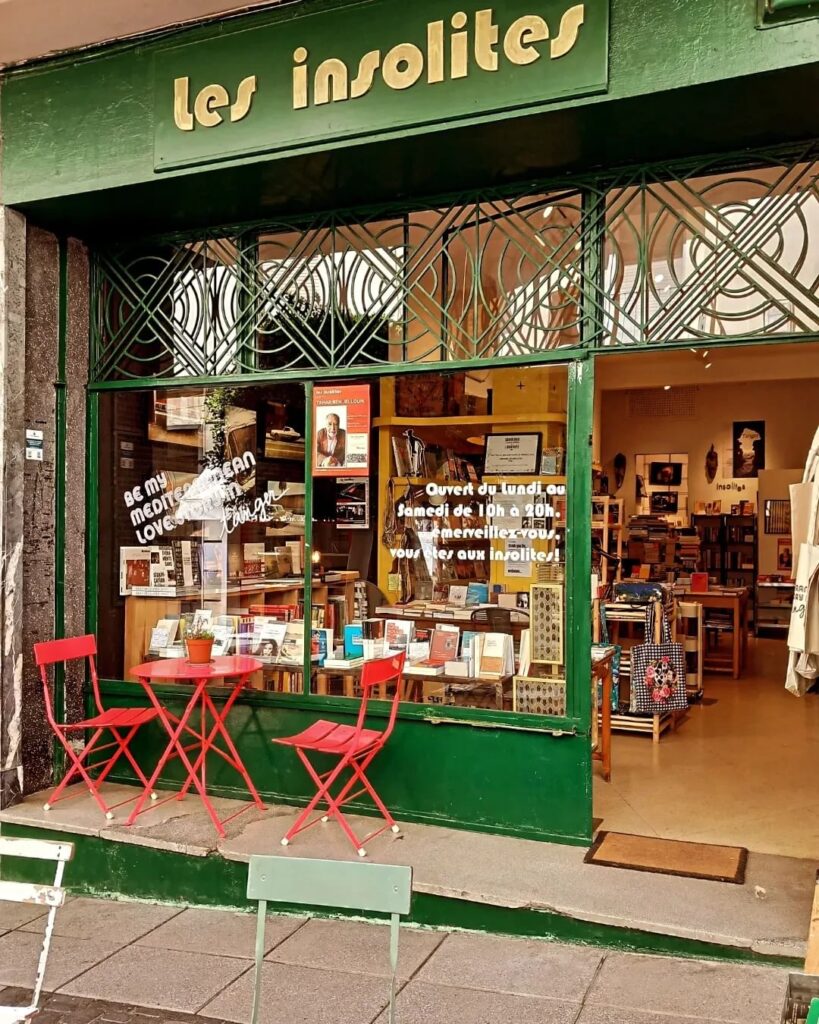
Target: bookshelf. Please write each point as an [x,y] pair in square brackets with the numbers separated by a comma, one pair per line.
[455,449]
[728,546]
[607,526]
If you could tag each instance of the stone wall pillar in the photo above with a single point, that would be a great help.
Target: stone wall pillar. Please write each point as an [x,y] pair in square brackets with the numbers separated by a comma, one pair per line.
[12,444]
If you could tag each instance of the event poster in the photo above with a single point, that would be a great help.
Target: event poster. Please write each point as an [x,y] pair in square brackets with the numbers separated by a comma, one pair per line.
[341,425]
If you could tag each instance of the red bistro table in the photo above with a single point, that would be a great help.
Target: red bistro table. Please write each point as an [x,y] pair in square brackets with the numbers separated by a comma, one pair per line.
[179,670]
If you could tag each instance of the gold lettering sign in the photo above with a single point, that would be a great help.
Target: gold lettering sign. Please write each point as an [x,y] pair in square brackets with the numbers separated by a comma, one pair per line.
[404,64]
[453,50]
[209,102]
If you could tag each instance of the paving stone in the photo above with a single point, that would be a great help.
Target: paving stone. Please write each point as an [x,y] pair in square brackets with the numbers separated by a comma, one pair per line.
[357,948]
[15,915]
[219,932]
[693,988]
[67,958]
[164,978]
[303,995]
[421,1003]
[616,1015]
[518,966]
[108,920]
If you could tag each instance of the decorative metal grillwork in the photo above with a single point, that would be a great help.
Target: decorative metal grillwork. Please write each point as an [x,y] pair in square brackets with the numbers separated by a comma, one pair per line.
[642,258]
[709,255]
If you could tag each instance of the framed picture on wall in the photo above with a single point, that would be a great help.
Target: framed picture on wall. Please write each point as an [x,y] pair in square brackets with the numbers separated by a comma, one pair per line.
[512,454]
[665,474]
[748,441]
[663,502]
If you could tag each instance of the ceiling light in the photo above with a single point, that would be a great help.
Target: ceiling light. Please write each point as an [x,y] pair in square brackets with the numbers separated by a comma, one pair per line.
[659,278]
[705,354]
[547,212]
[694,351]
[666,387]
[707,366]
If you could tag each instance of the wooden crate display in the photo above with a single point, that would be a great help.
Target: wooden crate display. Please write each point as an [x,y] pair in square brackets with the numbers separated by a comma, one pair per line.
[537,696]
[546,621]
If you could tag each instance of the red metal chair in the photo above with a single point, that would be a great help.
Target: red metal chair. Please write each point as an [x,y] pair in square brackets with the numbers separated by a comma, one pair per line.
[355,748]
[122,723]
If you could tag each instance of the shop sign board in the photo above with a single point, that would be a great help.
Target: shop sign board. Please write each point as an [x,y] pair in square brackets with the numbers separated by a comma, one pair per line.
[370,69]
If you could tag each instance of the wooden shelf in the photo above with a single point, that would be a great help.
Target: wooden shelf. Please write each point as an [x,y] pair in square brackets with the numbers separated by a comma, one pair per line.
[490,419]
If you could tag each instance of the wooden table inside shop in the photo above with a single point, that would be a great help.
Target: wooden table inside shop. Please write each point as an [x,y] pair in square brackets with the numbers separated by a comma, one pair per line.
[420,688]
[142,612]
[735,599]
[601,668]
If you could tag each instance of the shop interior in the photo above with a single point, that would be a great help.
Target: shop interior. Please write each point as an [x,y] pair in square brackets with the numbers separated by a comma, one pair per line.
[438,508]
[694,451]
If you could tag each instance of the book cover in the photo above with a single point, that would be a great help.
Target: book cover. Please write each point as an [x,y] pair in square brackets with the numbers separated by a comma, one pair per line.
[134,569]
[353,640]
[457,596]
[269,640]
[222,639]
[397,634]
[494,655]
[476,593]
[292,647]
[321,643]
[443,646]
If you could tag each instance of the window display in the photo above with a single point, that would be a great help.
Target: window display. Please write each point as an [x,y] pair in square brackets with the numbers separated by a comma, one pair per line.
[437,534]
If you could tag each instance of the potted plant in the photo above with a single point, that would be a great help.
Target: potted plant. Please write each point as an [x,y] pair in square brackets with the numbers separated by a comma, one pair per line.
[200,644]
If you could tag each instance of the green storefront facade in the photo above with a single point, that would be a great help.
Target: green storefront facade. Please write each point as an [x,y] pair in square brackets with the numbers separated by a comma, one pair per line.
[331,120]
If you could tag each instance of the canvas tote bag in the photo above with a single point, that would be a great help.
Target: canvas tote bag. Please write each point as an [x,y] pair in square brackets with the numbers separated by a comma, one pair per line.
[803,635]
[658,668]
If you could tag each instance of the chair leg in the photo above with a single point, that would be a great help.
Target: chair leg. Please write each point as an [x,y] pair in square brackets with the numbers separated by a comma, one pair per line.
[77,768]
[359,771]
[321,794]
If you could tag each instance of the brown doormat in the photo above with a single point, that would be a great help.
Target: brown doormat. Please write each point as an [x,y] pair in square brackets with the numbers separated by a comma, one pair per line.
[669,857]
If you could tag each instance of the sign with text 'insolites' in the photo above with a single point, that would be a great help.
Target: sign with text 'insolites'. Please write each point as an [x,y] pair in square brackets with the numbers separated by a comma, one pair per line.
[371,69]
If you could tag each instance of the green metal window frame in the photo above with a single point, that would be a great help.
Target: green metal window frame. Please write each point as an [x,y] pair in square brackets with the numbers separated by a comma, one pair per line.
[578,542]
[579,358]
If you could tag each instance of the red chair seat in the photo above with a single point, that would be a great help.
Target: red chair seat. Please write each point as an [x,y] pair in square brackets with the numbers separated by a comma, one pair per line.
[123,718]
[332,738]
[355,747]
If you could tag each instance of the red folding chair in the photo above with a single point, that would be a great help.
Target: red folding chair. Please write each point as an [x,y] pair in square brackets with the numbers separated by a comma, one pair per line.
[355,748]
[122,723]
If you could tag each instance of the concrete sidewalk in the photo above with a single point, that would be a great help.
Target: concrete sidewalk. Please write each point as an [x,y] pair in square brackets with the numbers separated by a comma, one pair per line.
[110,959]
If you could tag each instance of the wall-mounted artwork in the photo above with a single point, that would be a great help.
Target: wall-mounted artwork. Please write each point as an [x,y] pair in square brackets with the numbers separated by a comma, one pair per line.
[665,474]
[663,502]
[619,470]
[711,464]
[749,447]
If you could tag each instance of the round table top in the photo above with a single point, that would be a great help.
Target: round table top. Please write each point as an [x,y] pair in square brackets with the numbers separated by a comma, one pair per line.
[181,668]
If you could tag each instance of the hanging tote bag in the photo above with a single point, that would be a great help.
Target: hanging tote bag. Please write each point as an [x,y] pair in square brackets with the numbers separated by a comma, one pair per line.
[658,668]
[803,635]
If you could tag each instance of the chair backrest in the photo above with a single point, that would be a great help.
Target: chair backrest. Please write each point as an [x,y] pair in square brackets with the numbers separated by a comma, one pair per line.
[51,896]
[378,673]
[349,885]
[73,648]
[499,619]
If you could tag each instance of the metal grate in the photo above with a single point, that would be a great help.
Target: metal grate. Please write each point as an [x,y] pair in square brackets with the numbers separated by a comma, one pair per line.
[675,254]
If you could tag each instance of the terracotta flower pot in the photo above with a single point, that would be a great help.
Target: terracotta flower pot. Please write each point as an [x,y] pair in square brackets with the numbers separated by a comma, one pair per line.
[199,651]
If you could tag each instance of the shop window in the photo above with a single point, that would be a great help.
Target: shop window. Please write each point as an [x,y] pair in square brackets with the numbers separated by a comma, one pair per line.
[201,513]
[441,499]
[713,256]
[438,529]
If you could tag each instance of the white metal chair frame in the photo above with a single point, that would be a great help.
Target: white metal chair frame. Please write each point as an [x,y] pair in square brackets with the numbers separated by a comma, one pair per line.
[51,896]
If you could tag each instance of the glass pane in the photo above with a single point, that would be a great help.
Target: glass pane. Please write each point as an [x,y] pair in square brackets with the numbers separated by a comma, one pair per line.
[725,255]
[439,504]
[202,496]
